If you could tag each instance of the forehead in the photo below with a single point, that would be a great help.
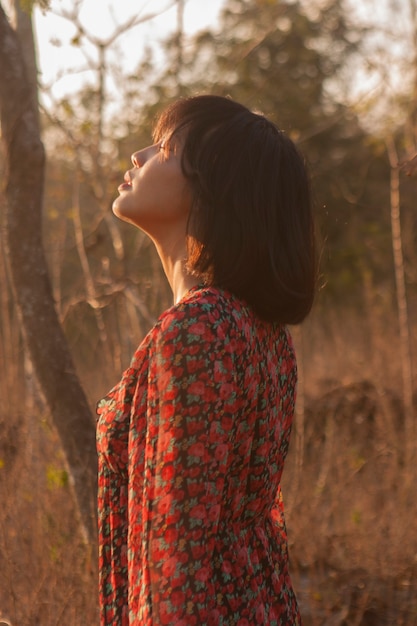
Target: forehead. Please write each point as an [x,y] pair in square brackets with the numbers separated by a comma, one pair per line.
[171,136]
[166,125]
[178,120]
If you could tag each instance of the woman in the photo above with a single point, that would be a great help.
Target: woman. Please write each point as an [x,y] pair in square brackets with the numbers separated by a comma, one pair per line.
[193,439]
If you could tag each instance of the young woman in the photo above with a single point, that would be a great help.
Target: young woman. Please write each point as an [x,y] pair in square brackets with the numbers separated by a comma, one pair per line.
[192,441]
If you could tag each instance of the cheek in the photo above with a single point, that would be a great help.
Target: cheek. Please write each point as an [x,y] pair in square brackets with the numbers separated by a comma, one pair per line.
[175,196]
[186,196]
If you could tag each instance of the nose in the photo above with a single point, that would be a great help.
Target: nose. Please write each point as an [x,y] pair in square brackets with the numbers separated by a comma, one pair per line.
[139,158]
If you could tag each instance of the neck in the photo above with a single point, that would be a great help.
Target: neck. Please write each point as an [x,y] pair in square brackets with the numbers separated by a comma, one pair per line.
[181,282]
[173,262]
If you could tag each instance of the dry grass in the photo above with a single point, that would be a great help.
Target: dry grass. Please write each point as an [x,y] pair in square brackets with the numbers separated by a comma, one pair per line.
[47,577]
[351,505]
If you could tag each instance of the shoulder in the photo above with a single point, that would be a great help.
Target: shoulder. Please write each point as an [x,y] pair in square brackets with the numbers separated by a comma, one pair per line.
[215,319]
[202,304]
[205,314]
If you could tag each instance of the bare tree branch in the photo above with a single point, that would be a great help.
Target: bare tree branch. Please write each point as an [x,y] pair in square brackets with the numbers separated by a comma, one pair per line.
[120,29]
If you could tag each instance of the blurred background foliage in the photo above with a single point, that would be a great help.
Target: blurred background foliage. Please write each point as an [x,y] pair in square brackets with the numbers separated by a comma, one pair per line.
[297,62]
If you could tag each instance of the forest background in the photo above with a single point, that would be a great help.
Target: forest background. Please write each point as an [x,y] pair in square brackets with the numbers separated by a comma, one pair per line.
[343,84]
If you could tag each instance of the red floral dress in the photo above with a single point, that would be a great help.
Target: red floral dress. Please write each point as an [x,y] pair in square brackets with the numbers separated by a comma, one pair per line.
[191,445]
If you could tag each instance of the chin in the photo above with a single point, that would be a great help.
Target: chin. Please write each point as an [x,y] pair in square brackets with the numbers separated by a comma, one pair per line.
[116,209]
[123,215]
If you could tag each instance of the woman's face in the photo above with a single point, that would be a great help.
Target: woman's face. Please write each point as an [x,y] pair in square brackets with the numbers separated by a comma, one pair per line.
[155,195]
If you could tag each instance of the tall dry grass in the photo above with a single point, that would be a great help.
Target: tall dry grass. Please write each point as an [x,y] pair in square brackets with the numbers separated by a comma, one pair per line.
[351,506]
[350,498]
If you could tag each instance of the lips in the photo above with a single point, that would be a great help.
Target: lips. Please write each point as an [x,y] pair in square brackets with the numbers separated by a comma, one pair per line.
[127,184]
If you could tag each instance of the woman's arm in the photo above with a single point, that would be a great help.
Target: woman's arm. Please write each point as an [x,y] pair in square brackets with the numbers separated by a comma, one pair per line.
[192,398]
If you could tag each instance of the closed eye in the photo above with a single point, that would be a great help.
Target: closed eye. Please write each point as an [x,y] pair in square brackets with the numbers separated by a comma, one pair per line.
[164,149]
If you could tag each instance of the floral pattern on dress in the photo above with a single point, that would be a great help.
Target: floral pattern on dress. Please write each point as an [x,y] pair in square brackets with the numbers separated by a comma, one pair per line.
[191,445]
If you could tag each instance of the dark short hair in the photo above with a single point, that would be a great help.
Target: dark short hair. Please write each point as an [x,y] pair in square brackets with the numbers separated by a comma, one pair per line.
[251,224]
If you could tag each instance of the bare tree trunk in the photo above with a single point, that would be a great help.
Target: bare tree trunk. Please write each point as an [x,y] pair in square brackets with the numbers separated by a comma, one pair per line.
[25,160]
[406,363]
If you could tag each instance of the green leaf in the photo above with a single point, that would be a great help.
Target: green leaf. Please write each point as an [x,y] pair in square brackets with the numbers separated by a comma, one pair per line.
[56,478]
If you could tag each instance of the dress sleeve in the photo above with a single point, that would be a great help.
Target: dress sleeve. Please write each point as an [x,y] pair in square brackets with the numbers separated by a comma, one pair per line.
[192,395]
